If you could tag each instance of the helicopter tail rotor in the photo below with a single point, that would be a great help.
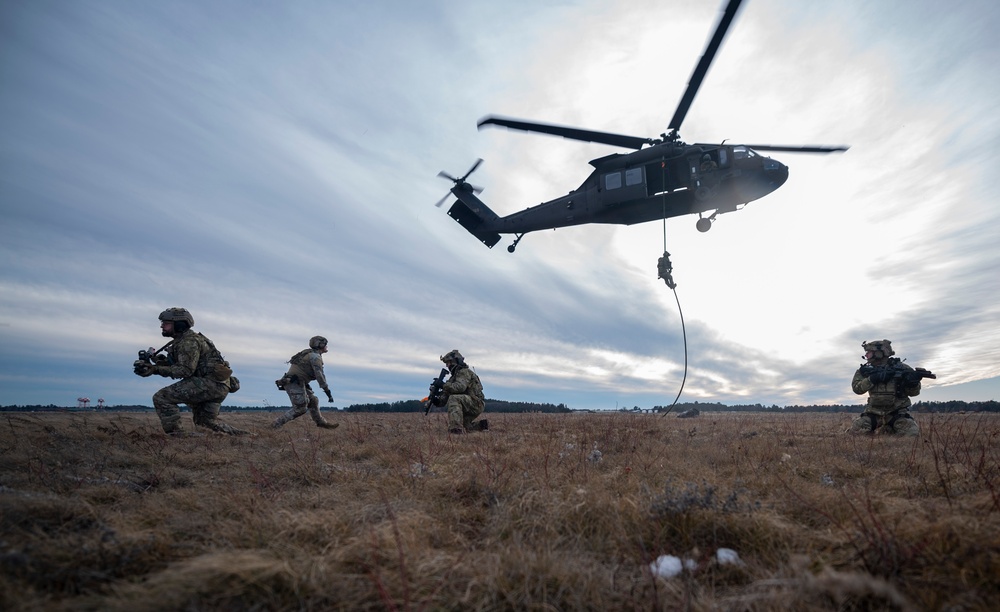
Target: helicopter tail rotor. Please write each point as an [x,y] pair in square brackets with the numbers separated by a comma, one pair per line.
[460,182]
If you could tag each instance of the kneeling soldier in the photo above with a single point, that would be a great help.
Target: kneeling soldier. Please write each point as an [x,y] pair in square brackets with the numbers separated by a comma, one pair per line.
[889,384]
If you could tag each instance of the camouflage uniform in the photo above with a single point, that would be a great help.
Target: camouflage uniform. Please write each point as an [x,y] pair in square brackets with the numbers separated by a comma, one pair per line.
[886,410]
[306,366]
[464,395]
[191,358]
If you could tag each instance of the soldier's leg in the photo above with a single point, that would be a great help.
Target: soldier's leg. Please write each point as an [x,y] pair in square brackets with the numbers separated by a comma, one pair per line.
[167,402]
[906,425]
[862,425]
[300,404]
[315,413]
[207,415]
[206,404]
[456,418]
[470,410]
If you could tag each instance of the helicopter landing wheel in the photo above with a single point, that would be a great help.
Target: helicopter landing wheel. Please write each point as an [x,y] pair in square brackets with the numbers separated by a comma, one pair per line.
[703,225]
[513,246]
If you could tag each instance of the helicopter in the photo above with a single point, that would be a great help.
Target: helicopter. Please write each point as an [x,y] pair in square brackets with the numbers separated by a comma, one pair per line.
[662,178]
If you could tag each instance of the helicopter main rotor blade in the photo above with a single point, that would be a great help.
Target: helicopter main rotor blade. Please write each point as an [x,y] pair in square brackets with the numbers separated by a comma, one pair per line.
[472,169]
[702,68]
[617,140]
[799,149]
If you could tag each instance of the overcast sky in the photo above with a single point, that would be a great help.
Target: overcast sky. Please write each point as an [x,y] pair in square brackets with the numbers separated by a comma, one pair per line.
[271,166]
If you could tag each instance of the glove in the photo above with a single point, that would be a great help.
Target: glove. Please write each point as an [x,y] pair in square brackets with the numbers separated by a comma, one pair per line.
[142,368]
[329,396]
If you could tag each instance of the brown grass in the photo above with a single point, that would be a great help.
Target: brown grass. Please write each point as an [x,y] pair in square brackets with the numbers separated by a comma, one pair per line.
[100,511]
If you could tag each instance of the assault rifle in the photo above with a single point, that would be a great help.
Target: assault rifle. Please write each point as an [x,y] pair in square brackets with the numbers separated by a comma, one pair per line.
[903,377]
[435,394]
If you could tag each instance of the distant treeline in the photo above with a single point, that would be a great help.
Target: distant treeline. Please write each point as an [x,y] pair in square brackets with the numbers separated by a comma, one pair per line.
[500,406]
[492,405]
[952,406]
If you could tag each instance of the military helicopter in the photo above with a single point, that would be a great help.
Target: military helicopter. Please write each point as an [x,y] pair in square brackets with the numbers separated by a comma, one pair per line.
[661,178]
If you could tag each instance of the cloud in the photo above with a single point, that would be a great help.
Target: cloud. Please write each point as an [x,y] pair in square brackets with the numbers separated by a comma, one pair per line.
[275,175]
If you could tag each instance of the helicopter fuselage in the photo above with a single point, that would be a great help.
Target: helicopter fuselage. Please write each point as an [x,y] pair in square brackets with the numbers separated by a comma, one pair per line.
[665,180]
[660,178]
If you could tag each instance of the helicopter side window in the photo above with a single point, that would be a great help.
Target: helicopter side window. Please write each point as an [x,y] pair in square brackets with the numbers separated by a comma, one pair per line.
[723,158]
[633,176]
[613,181]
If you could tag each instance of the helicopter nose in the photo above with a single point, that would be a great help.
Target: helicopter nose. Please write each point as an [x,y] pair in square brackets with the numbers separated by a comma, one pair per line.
[776,173]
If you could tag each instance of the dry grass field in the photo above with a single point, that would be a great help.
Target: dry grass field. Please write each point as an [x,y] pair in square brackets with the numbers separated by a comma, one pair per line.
[101,511]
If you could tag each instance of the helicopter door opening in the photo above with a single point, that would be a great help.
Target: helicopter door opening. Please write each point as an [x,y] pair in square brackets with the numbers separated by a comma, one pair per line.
[661,177]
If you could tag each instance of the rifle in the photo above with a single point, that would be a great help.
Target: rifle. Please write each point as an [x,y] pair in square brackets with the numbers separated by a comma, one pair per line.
[903,377]
[435,394]
[147,357]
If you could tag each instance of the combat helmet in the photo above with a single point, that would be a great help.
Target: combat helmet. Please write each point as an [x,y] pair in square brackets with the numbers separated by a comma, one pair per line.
[181,318]
[317,343]
[453,356]
[879,346]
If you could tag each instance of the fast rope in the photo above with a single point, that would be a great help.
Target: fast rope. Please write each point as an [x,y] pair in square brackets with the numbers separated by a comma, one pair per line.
[665,270]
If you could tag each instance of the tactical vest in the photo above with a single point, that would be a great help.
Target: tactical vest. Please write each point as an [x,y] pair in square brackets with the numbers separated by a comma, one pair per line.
[883,397]
[301,368]
[211,363]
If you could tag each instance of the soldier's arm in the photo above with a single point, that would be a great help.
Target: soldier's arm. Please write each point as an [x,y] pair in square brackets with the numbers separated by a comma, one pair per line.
[317,367]
[458,383]
[913,388]
[860,383]
[186,354]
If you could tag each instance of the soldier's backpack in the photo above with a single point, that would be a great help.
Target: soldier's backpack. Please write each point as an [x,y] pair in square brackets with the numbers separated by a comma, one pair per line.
[218,368]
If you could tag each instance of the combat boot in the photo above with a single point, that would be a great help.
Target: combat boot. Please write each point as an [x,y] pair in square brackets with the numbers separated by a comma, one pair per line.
[284,418]
[456,430]
[484,425]
[328,425]
[227,429]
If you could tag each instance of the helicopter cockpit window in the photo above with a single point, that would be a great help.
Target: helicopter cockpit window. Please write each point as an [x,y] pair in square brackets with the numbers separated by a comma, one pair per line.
[613,180]
[742,152]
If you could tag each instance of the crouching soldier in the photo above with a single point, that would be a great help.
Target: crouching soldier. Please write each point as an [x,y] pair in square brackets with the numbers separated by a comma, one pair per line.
[306,366]
[205,376]
[463,396]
